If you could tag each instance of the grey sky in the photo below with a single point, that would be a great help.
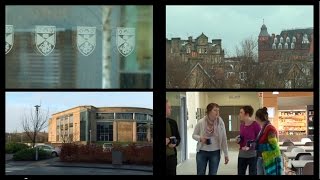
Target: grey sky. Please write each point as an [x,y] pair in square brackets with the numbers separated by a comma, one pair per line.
[20,103]
[232,24]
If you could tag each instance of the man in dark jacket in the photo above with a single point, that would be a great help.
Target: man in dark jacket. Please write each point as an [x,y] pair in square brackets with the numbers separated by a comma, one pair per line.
[172,140]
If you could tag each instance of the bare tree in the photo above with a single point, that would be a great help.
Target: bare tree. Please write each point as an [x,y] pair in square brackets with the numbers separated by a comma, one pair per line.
[33,123]
[248,49]
[247,53]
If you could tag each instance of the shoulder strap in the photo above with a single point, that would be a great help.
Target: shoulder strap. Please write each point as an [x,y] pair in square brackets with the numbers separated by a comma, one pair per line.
[263,130]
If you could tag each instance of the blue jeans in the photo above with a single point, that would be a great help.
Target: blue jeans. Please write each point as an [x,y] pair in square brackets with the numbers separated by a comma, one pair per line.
[202,160]
[260,167]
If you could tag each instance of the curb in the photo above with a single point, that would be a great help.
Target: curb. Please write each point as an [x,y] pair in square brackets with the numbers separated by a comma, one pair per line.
[97,167]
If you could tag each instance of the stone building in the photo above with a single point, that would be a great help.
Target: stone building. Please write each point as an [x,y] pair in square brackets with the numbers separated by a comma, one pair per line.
[195,49]
[94,124]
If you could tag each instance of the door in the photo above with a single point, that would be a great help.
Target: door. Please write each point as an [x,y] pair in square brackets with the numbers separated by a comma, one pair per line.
[230,116]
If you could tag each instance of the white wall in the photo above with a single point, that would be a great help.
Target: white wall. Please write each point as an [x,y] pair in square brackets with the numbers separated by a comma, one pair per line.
[202,99]
[225,99]
[192,105]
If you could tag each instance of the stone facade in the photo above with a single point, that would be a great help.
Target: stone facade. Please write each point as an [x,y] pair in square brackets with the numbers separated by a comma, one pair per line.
[195,49]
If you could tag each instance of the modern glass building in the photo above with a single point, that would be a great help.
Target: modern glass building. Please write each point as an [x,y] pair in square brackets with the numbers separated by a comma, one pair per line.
[104,124]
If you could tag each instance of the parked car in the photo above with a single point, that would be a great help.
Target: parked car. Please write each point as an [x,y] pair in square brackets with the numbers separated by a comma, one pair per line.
[52,150]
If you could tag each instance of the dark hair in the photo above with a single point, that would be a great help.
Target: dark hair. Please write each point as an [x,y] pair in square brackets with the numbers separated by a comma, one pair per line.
[247,110]
[262,114]
[211,106]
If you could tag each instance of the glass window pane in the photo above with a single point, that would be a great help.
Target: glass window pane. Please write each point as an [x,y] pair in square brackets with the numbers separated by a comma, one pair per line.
[66,46]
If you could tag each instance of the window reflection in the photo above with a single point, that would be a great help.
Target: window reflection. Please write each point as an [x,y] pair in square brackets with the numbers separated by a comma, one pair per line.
[84,47]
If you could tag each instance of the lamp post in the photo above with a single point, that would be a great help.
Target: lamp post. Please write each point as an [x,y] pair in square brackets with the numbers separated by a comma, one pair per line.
[37,111]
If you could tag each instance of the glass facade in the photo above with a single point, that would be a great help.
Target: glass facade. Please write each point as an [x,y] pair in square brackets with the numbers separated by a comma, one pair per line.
[124,115]
[140,117]
[104,131]
[142,131]
[105,116]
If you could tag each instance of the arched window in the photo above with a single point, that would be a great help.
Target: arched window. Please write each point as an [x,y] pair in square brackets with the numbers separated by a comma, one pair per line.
[286,46]
[188,50]
[294,39]
[275,40]
[279,46]
[274,46]
[281,40]
[292,45]
[288,39]
[305,39]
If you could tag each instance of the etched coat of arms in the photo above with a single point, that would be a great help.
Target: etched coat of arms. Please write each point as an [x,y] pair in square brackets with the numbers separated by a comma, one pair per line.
[9,38]
[126,40]
[45,38]
[86,39]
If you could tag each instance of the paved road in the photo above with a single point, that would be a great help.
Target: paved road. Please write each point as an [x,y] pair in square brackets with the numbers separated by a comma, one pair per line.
[54,167]
[50,170]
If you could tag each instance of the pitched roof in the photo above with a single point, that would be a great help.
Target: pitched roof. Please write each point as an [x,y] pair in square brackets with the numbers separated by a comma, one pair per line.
[198,65]
[202,35]
[294,32]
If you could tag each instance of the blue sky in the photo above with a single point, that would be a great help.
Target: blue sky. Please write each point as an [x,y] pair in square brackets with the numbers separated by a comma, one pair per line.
[232,24]
[20,103]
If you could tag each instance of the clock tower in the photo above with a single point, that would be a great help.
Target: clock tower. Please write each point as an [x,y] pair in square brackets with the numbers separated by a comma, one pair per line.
[263,42]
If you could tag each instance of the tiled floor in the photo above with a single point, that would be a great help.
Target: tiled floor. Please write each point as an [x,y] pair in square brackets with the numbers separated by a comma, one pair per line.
[188,167]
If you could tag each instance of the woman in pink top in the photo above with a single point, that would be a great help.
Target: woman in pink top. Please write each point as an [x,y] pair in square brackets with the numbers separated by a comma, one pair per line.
[249,130]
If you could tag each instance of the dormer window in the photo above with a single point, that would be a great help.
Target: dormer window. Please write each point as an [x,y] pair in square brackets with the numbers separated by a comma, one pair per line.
[280,46]
[288,39]
[292,45]
[286,46]
[275,40]
[281,40]
[274,46]
[305,39]
[294,39]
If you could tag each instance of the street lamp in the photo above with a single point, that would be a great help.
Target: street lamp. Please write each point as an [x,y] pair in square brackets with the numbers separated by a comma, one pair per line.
[37,110]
